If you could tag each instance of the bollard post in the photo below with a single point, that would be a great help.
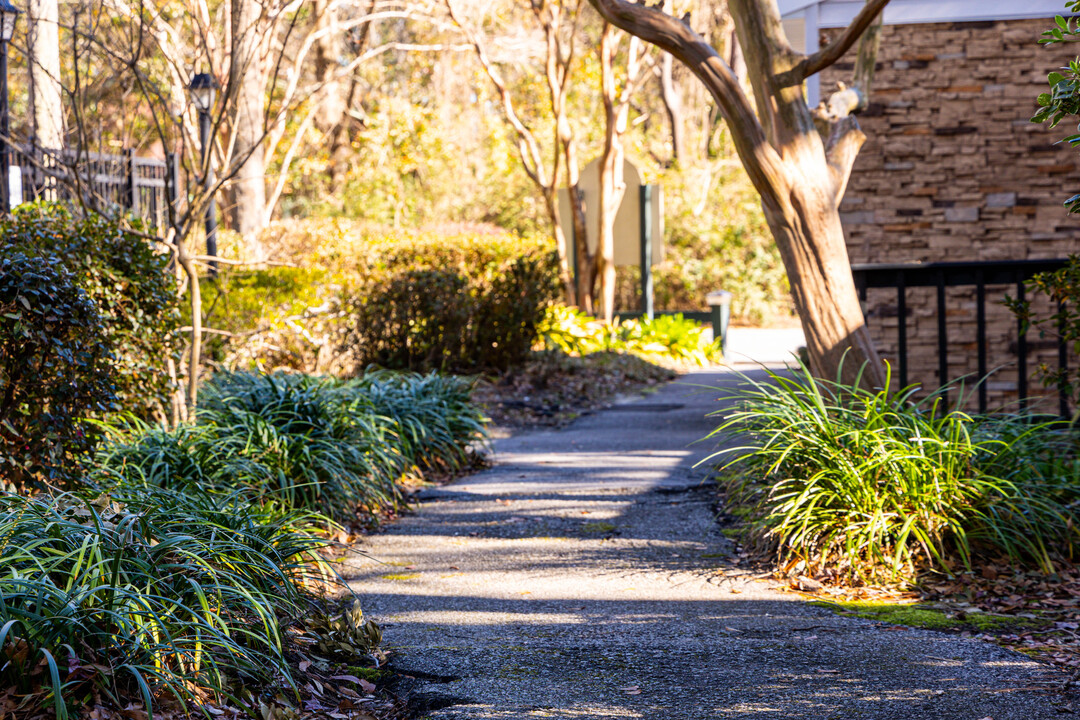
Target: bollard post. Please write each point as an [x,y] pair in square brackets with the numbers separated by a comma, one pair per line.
[720,307]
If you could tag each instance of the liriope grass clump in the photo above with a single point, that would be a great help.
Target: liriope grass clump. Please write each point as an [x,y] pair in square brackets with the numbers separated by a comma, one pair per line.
[321,443]
[874,485]
[147,593]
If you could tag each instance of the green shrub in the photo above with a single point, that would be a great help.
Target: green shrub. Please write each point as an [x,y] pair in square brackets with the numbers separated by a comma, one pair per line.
[463,304]
[462,298]
[146,591]
[125,276]
[54,369]
[308,442]
[665,336]
[873,485]
[267,313]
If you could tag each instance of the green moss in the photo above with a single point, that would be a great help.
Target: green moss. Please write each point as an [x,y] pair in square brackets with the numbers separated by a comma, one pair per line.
[400,576]
[598,527]
[921,616]
[368,673]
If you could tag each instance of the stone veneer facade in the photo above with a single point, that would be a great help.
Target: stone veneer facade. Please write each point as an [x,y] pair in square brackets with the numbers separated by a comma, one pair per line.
[953,170]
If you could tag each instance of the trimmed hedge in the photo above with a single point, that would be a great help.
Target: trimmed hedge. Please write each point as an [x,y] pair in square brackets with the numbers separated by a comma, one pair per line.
[460,303]
[461,298]
[53,369]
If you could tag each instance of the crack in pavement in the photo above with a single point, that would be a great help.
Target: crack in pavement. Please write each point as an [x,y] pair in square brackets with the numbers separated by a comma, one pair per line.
[578,578]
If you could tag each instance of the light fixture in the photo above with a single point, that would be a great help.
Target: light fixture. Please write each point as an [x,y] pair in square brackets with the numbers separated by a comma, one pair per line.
[9,14]
[203,89]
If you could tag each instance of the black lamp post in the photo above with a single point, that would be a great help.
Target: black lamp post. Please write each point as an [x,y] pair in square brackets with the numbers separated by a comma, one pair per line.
[203,91]
[8,15]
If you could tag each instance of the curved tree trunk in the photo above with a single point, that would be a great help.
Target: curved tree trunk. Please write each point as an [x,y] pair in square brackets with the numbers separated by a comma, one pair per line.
[801,178]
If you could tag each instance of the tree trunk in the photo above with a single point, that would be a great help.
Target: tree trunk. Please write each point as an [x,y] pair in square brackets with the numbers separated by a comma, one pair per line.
[810,238]
[43,41]
[248,80]
[551,204]
[332,107]
[46,109]
[673,105]
[586,261]
[800,178]
[612,187]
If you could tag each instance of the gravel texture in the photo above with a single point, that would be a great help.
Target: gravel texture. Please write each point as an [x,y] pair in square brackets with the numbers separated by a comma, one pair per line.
[580,578]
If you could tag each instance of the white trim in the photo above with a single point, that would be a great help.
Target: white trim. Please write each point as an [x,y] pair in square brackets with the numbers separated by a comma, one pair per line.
[840,13]
[790,7]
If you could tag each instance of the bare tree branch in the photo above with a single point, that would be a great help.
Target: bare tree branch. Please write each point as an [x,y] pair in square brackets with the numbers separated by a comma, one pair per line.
[823,58]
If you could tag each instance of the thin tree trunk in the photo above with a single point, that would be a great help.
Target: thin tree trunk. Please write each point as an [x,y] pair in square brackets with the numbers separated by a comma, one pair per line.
[331,111]
[248,77]
[191,273]
[611,186]
[586,261]
[669,93]
[47,110]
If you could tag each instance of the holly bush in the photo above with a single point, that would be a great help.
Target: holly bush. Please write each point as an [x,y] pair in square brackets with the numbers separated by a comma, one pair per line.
[54,369]
[125,276]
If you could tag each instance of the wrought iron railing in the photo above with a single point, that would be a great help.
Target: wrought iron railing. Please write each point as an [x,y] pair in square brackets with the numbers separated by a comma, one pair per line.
[100,181]
[980,275]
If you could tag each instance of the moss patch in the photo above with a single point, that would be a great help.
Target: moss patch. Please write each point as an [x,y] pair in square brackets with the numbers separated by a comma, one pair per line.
[369,673]
[598,527]
[400,576]
[921,616]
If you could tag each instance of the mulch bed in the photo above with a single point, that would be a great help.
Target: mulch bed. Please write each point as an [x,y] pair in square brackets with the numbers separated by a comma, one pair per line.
[553,388]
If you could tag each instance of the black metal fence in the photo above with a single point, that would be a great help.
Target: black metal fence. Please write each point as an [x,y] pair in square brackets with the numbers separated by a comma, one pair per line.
[979,275]
[100,181]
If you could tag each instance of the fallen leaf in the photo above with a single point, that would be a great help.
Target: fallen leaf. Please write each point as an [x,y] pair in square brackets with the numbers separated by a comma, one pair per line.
[349,678]
[304,665]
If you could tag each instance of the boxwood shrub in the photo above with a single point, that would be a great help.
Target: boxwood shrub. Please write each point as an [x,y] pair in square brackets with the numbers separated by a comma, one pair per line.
[459,298]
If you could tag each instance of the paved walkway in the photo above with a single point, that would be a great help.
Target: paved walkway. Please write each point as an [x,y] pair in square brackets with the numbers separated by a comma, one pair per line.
[577,579]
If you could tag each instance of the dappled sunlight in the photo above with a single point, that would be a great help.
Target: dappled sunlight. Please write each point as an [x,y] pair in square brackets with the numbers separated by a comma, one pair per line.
[468,618]
[602,577]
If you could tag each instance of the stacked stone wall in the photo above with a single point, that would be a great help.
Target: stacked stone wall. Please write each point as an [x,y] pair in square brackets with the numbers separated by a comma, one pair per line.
[953,170]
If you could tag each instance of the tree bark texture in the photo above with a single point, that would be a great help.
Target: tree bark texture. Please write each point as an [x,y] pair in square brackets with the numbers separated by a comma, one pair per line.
[43,41]
[247,79]
[800,176]
[332,106]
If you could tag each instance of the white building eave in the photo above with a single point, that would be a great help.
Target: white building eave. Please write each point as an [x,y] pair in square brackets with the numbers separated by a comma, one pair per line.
[811,16]
[838,13]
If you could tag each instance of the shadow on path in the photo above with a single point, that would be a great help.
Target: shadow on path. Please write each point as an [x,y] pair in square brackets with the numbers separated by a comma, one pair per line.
[579,578]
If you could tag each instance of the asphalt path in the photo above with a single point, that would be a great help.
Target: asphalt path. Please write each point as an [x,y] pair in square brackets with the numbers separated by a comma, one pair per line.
[583,576]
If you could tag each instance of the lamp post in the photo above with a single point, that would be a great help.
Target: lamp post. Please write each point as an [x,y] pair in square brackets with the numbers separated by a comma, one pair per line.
[203,91]
[9,14]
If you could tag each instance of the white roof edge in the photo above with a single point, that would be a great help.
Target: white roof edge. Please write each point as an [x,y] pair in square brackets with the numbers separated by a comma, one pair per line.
[838,13]
[790,7]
